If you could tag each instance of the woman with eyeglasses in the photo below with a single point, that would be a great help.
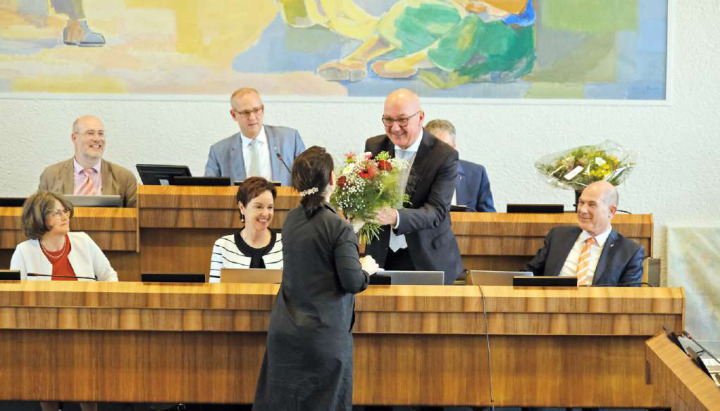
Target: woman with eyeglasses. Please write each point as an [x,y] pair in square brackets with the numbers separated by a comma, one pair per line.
[52,251]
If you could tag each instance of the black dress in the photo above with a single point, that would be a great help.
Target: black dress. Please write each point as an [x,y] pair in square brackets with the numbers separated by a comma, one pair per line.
[308,362]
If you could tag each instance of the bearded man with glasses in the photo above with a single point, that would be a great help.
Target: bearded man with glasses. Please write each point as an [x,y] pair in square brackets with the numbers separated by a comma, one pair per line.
[258,150]
[416,235]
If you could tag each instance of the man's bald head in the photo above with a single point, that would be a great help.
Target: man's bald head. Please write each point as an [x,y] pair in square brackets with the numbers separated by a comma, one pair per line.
[247,109]
[597,207]
[83,122]
[403,106]
[88,137]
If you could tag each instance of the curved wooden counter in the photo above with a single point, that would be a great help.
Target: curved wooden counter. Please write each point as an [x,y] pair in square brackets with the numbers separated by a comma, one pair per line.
[421,345]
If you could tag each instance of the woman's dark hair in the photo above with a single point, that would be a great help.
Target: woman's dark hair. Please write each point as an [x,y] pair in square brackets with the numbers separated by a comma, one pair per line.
[312,170]
[36,208]
[253,187]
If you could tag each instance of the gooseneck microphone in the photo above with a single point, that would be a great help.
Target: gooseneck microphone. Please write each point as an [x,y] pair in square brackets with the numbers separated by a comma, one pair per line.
[78,277]
[277,154]
[689,337]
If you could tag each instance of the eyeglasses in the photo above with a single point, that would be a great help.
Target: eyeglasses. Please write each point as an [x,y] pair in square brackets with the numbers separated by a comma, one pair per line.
[402,122]
[246,113]
[92,133]
[59,213]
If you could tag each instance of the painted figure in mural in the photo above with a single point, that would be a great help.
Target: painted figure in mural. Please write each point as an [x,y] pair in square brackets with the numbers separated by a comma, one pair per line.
[76,32]
[341,16]
[446,42]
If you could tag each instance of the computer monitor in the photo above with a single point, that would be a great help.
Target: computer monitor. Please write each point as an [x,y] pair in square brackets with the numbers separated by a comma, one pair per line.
[455,208]
[172,278]
[250,275]
[200,181]
[408,278]
[12,201]
[274,183]
[486,277]
[549,281]
[160,175]
[114,200]
[536,208]
[9,275]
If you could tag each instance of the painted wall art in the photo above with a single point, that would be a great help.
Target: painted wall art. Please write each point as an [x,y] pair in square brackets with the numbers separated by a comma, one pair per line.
[544,49]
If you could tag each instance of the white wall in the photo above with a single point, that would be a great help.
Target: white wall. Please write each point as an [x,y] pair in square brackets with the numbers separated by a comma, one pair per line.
[676,179]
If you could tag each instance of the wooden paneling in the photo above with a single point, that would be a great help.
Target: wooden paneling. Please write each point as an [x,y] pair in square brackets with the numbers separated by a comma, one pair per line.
[113,229]
[680,383]
[180,224]
[414,345]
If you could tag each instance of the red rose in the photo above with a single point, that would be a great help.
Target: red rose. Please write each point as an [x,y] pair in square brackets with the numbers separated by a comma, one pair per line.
[342,181]
[384,165]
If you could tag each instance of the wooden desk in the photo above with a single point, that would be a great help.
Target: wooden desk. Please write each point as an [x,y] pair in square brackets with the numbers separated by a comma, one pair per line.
[681,384]
[421,345]
[115,230]
[178,226]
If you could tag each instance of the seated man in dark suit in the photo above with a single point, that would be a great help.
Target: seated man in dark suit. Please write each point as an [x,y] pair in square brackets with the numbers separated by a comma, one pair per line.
[593,252]
[418,235]
[472,188]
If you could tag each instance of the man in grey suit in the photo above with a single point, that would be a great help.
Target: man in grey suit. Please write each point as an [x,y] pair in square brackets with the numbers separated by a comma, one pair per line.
[591,251]
[417,236]
[87,173]
[258,150]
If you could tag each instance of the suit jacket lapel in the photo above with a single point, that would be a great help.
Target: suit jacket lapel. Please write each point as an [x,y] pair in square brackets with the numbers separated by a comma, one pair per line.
[565,245]
[461,194]
[236,159]
[418,168]
[274,162]
[68,176]
[606,255]
[106,179]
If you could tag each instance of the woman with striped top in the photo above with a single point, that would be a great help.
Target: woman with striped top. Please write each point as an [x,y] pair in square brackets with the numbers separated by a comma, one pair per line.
[255,245]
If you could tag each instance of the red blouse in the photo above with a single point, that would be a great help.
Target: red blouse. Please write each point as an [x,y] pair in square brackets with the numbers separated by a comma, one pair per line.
[60,264]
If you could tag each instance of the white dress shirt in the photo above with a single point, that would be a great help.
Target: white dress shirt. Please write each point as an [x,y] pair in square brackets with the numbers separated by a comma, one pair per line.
[398,242]
[570,266]
[263,155]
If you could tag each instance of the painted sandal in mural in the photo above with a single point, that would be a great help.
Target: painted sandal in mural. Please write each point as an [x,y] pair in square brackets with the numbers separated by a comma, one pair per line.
[79,34]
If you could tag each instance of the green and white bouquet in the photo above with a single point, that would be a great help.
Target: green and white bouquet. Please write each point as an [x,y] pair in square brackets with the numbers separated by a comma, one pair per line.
[364,186]
[578,167]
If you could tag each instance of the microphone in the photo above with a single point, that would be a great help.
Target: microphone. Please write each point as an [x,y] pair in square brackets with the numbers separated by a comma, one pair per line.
[61,276]
[624,284]
[277,154]
[689,337]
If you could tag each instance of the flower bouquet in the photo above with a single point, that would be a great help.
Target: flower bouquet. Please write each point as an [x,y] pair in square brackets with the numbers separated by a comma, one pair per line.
[576,168]
[364,186]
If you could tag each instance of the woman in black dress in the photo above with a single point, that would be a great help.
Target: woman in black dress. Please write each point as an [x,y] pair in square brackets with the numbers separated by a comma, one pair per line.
[308,362]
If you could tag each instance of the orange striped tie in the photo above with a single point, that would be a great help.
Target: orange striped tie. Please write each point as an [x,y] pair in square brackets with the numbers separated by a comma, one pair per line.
[583,266]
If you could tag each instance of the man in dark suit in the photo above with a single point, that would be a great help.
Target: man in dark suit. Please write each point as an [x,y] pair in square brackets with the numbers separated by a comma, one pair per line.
[472,188]
[418,235]
[591,251]
[258,150]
